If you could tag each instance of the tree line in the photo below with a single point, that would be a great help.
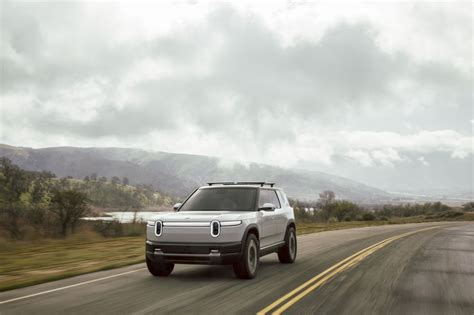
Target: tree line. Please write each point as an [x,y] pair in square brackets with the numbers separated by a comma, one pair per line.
[329,209]
[40,203]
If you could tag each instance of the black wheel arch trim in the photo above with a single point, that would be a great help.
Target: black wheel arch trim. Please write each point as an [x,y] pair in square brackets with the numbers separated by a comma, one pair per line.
[251,226]
[291,223]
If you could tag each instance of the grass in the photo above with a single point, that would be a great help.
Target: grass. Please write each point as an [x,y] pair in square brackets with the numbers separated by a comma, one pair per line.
[27,263]
[306,228]
[23,264]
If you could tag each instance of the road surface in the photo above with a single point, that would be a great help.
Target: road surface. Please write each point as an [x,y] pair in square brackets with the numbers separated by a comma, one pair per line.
[397,269]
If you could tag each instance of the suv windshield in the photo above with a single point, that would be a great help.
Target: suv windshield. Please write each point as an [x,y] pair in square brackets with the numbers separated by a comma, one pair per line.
[227,199]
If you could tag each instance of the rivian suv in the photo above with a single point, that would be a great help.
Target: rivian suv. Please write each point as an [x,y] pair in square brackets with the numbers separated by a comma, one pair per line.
[232,223]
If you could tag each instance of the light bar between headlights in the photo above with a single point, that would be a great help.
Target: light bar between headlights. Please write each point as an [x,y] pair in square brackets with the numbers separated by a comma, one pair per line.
[231,223]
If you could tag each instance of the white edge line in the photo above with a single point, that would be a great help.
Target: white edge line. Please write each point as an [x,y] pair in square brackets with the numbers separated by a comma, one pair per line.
[69,286]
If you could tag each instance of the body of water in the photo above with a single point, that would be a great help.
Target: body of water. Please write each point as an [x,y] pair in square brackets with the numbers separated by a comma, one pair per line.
[125,216]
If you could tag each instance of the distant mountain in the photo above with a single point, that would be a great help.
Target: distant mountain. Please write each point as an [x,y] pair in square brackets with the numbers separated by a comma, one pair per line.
[179,174]
[435,174]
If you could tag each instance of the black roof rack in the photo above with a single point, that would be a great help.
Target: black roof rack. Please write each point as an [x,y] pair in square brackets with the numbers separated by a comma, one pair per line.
[242,183]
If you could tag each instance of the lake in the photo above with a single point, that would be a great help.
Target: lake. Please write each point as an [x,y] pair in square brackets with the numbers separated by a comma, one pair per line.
[125,216]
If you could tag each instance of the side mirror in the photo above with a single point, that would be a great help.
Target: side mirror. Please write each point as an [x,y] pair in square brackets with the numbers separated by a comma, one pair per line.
[176,206]
[267,207]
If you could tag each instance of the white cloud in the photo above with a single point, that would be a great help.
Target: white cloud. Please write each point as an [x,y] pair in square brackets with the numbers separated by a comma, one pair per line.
[423,161]
[362,157]
[274,83]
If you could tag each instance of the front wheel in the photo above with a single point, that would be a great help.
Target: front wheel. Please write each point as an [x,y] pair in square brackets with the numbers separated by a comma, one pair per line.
[287,254]
[246,268]
[159,269]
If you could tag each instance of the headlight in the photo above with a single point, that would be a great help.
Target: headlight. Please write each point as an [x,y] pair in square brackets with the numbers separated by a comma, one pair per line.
[231,223]
[215,228]
[150,223]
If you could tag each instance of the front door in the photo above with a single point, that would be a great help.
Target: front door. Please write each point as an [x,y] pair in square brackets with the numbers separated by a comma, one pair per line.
[268,218]
[281,220]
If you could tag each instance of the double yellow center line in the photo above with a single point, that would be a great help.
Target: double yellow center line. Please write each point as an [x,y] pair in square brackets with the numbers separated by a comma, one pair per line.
[286,301]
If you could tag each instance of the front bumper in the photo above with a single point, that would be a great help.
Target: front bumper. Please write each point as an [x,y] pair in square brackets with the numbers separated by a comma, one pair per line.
[194,253]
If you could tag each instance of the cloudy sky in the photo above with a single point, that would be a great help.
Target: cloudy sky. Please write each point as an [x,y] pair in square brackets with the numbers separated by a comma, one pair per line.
[320,85]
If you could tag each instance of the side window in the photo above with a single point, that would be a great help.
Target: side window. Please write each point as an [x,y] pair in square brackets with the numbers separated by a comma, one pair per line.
[283,198]
[268,196]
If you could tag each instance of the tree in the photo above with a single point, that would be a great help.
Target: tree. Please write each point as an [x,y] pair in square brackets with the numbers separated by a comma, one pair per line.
[64,182]
[36,212]
[326,198]
[468,206]
[87,178]
[94,176]
[102,179]
[344,210]
[368,216]
[14,183]
[68,206]
[125,181]
[439,207]
[115,180]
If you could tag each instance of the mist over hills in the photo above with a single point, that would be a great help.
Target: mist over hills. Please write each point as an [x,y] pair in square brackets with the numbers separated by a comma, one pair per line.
[178,174]
[430,173]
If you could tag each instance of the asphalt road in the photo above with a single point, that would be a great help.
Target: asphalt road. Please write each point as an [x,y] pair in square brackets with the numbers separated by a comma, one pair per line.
[428,272]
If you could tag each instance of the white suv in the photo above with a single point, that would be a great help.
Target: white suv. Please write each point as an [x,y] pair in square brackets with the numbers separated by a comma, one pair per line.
[232,223]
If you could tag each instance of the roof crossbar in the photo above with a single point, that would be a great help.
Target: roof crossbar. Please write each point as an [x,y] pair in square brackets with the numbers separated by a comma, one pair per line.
[261,184]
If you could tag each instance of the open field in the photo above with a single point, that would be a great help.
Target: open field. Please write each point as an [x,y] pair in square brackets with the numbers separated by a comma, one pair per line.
[27,263]
[23,264]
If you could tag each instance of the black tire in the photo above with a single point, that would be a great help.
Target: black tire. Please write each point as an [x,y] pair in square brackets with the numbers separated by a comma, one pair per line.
[287,254]
[159,269]
[247,267]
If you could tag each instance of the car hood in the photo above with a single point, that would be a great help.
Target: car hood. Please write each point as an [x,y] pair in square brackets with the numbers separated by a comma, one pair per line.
[206,216]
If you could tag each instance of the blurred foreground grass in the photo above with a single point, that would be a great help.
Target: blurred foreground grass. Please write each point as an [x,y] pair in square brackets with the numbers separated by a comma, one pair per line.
[23,264]
[28,263]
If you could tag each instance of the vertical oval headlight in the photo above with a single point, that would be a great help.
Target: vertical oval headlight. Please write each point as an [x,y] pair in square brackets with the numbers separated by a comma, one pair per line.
[215,228]
[158,228]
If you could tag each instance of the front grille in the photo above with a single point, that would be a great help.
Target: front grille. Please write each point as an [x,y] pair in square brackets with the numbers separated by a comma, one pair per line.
[184,259]
[183,249]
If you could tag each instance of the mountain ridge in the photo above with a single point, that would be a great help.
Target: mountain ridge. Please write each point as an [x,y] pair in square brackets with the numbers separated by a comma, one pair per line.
[179,173]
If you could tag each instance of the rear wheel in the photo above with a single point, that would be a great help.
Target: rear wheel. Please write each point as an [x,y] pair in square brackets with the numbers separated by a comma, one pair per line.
[246,268]
[287,254]
[159,269]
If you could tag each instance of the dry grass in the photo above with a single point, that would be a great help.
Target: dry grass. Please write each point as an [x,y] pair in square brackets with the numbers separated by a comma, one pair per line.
[305,228]
[23,264]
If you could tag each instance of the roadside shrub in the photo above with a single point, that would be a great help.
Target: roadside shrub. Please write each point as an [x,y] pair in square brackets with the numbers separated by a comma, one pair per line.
[445,214]
[368,216]
[108,228]
[117,229]
[468,206]
[134,229]
[333,220]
